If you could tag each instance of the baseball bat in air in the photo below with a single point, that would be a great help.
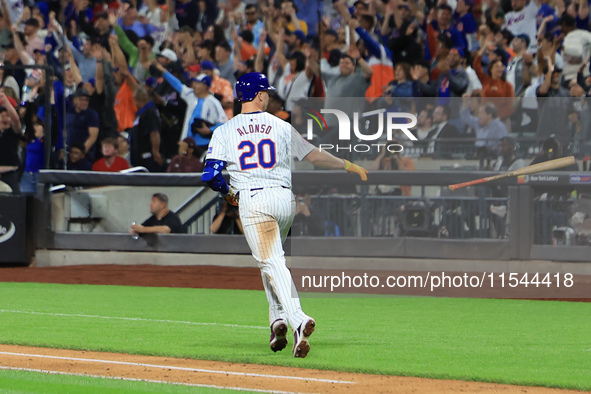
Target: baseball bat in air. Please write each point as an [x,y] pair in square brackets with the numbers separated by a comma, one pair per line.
[545,166]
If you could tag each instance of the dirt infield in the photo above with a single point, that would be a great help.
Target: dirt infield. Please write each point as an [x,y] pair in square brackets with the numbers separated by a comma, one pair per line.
[140,275]
[238,376]
[198,372]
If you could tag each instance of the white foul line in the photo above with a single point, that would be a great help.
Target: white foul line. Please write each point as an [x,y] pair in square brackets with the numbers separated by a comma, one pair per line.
[257,375]
[145,380]
[134,319]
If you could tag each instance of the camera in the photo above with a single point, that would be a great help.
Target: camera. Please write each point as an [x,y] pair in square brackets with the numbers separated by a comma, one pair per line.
[564,236]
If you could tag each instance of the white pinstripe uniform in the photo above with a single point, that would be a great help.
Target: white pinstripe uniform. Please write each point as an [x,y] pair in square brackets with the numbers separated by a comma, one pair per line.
[258,148]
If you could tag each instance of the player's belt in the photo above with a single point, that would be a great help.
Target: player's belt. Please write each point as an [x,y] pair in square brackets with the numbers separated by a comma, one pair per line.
[261,188]
[258,188]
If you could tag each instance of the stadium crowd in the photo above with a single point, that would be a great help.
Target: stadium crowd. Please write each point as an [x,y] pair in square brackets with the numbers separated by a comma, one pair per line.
[147,82]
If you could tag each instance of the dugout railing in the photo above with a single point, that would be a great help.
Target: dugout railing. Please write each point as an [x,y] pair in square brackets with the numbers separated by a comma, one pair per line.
[523,196]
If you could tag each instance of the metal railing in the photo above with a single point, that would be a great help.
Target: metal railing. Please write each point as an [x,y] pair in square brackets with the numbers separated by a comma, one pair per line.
[363,224]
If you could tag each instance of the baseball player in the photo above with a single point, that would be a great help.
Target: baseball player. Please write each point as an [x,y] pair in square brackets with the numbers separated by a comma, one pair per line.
[256,149]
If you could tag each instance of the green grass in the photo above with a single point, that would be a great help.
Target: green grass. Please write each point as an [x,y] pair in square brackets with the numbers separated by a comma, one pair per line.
[543,343]
[27,382]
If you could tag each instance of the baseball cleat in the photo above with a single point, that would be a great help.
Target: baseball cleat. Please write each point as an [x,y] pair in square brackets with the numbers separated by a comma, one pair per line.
[278,335]
[301,345]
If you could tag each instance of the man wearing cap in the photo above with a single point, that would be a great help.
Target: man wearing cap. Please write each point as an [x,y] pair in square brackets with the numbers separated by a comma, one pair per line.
[77,160]
[145,133]
[516,64]
[172,108]
[167,57]
[204,112]
[295,40]
[123,146]
[82,123]
[220,87]
[186,161]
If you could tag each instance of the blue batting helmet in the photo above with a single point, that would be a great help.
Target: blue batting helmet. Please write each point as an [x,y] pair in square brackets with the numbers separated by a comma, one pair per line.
[250,84]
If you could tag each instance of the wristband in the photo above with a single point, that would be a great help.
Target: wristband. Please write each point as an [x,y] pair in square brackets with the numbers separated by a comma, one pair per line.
[347,164]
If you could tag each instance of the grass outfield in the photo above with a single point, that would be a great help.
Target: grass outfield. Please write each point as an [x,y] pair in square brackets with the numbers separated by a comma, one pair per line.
[32,382]
[541,343]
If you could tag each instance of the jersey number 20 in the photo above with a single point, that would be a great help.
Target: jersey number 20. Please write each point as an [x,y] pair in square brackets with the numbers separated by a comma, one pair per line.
[266,154]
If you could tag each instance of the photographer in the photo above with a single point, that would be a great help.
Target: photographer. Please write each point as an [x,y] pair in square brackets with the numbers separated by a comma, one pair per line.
[227,221]
[305,222]
[393,161]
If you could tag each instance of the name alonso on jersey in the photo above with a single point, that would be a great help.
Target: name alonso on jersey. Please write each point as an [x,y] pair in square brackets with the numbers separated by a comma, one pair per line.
[252,129]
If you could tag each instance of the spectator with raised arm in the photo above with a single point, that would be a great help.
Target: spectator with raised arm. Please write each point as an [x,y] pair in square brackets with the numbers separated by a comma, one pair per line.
[523,20]
[495,87]
[140,55]
[85,60]
[380,59]
[223,50]
[99,31]
[105,91]
[553,99]
[289,18]
[11,56]
[577,46]
[125,107]
[200,120]
[129,21]
[32,28]
[220,87]
[253,22]
[296,79]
